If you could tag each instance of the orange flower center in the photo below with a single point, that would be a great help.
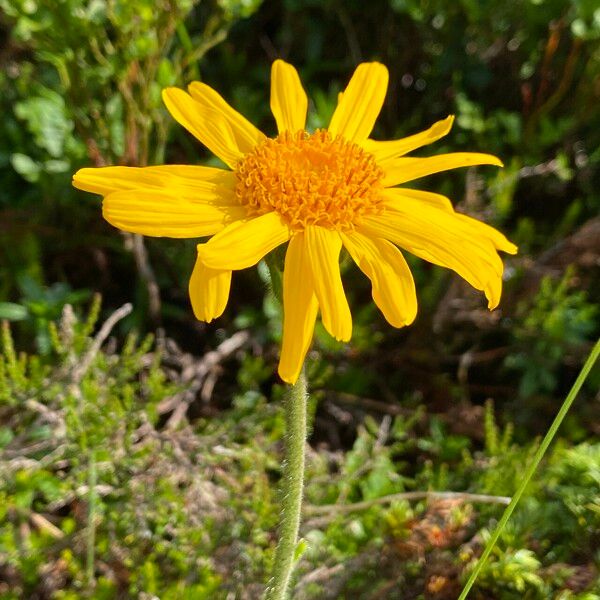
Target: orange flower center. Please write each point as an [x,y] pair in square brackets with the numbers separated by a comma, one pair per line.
[310,179]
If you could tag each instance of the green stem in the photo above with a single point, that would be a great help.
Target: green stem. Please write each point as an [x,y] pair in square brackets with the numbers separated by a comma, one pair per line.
[91,525]
[293,481]
[541,451]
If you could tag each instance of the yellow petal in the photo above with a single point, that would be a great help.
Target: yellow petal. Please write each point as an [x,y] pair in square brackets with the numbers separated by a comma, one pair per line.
[196,174]
[246,135]
[393,287]
[209,291]
[158,212]
[454,223]
[105,180]
[360,103]
[184,178]
[394,148]
[483,229]
[244,243]
[400,170]
[441,240]
[323,247]
[288,98]
[210,126]
[397,195]
[422,218]
[418,201]
[299,309]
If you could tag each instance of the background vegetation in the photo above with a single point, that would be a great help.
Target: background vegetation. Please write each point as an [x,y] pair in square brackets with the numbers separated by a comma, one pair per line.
[140,450]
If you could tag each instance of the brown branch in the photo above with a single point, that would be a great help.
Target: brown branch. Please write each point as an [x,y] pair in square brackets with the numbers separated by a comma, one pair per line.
[41,523]
[135,244]
[333,510]
[196,375]
[81,369]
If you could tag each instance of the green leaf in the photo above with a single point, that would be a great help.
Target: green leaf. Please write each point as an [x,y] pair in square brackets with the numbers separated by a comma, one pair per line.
[25,166]
[46,118]
[13,312]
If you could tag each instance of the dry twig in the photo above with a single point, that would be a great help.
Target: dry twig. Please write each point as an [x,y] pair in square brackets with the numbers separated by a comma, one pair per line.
[196,375]
[81,369]
[333,510]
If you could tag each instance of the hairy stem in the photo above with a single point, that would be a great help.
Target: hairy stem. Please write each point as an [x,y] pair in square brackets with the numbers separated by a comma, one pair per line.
[292,485]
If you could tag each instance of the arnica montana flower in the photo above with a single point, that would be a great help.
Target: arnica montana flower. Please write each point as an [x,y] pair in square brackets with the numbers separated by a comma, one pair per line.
[315,191]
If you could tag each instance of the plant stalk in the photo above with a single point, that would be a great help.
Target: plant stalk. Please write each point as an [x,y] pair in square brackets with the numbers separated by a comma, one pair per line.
[292,488]
[91,525]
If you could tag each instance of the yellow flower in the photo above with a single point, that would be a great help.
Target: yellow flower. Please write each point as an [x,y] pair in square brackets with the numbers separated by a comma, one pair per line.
[318,191]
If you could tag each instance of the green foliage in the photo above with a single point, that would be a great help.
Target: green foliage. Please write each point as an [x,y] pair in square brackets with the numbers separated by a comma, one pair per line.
[555,322]
[39,307]
[109,61]
[176,512]
[517,572]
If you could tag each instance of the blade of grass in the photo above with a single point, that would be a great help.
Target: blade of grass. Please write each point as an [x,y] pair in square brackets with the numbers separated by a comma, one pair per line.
[541,451]
[91,526]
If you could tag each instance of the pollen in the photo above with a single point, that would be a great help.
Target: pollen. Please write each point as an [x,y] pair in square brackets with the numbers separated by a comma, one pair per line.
[310,179]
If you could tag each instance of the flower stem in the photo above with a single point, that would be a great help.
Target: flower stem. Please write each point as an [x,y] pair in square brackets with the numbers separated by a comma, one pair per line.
[585,371]
[293,481]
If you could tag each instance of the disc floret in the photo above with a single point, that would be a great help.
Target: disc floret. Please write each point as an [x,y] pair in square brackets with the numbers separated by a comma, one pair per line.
[310,179]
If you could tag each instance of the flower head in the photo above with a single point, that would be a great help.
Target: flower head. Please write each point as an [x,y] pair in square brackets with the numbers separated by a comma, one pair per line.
[315,191]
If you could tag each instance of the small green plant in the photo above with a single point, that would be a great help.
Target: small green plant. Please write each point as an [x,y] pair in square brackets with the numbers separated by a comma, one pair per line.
[39,307]
[557,322]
